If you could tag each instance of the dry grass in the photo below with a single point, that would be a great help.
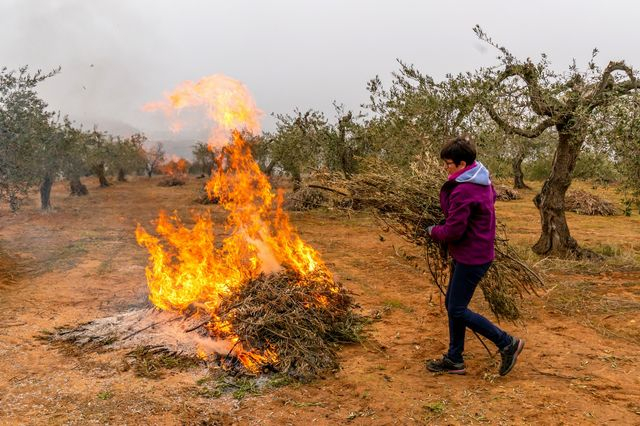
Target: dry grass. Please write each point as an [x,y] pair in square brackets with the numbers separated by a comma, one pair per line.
[10,270]
[150,362]
[594,305]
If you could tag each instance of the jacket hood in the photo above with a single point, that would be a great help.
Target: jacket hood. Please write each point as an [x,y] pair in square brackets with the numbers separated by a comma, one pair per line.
[477,174]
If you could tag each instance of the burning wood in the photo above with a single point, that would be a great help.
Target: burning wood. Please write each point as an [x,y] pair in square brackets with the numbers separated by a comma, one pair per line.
[176,171]
[407,202]
[298,320]
[262,297]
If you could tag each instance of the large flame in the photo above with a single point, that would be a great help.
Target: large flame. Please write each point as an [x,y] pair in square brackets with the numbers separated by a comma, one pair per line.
[225,101]
[186,267]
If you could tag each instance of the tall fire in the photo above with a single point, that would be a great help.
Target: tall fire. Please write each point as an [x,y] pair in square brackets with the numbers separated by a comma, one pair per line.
[262,271]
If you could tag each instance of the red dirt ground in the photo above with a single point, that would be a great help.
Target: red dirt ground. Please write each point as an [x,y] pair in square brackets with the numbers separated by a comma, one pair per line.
[81,262]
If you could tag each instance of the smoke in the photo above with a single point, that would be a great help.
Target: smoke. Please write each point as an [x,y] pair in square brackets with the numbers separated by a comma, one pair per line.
[105,67]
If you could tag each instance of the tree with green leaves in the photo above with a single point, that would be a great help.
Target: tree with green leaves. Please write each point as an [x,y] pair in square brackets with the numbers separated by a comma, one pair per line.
[298,142]
[416,113]
[128,155]
[204,157]
[569,103]
[346,142]
[26,136]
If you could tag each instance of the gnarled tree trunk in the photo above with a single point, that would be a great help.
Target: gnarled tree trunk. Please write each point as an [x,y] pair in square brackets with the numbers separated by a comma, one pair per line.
[555,238]
[45,192]
[99,171]
[76,187]
[122,176]
[518,176]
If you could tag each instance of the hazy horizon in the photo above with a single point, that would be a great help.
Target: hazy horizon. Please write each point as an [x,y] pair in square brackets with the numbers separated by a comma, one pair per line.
[115,56]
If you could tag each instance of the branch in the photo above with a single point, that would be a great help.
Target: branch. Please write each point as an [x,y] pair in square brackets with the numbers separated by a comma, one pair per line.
[529,74]
[608,84]
[508,128]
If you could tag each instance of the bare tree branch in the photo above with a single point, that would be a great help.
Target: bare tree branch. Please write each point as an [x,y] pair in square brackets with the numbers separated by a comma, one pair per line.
[541,105]
[508,128]
[607,84]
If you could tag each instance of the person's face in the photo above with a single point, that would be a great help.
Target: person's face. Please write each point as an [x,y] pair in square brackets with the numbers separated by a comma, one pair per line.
[451,167]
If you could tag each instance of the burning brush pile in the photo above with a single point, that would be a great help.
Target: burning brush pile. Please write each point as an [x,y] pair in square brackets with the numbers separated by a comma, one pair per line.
[261,299]
[407,202]
[175,172]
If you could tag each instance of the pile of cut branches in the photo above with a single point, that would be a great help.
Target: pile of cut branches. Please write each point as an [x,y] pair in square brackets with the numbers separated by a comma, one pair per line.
[407,202]
[172,181]
[306,199]
[504,193]
[300,319]
[583,202]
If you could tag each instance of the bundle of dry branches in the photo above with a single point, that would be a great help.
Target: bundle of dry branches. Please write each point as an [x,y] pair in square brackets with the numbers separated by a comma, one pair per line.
[583,202]
[504,193]
[306,199]
[301,319]
[407,201]
[172,181]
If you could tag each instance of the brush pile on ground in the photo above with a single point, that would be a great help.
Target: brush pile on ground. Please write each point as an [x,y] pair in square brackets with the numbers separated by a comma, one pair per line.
[504,193]
[172,181]
[583,202]
[306,199]
[301,319]
[407,201]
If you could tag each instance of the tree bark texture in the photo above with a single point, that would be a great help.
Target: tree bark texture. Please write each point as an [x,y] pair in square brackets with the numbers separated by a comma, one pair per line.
[77,188]
[45,192]
[555,238]
[99,170]
[518,176]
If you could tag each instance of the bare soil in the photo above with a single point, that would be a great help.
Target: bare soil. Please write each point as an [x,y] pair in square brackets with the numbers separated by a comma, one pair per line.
[80,262]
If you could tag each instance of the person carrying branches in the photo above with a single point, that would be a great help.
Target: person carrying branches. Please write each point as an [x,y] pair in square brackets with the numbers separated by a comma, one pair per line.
[467,199]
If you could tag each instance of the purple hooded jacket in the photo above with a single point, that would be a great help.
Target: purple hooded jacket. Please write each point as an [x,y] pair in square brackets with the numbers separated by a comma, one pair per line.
[467,200]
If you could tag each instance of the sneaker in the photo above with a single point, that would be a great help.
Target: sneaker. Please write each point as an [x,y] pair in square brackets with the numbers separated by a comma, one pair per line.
[510,354]
[445,365]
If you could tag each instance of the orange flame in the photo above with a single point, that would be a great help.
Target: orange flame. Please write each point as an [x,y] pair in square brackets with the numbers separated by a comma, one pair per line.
[176,166]
[186,267]
[225,101]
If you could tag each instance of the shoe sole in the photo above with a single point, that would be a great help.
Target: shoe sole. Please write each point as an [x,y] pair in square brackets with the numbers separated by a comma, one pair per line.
[456,372]
[515,357]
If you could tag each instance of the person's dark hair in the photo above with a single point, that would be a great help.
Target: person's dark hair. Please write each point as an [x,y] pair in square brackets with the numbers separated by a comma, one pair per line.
[459,149]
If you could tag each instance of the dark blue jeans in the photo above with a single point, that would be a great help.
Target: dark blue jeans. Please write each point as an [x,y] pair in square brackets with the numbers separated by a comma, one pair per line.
[462,284]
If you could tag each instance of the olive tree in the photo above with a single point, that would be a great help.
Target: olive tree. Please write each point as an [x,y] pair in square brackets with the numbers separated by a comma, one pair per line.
[568,103]
[26,136]
[297,142]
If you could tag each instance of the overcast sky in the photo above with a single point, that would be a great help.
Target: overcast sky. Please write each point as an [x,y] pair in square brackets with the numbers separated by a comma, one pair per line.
[116,55]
